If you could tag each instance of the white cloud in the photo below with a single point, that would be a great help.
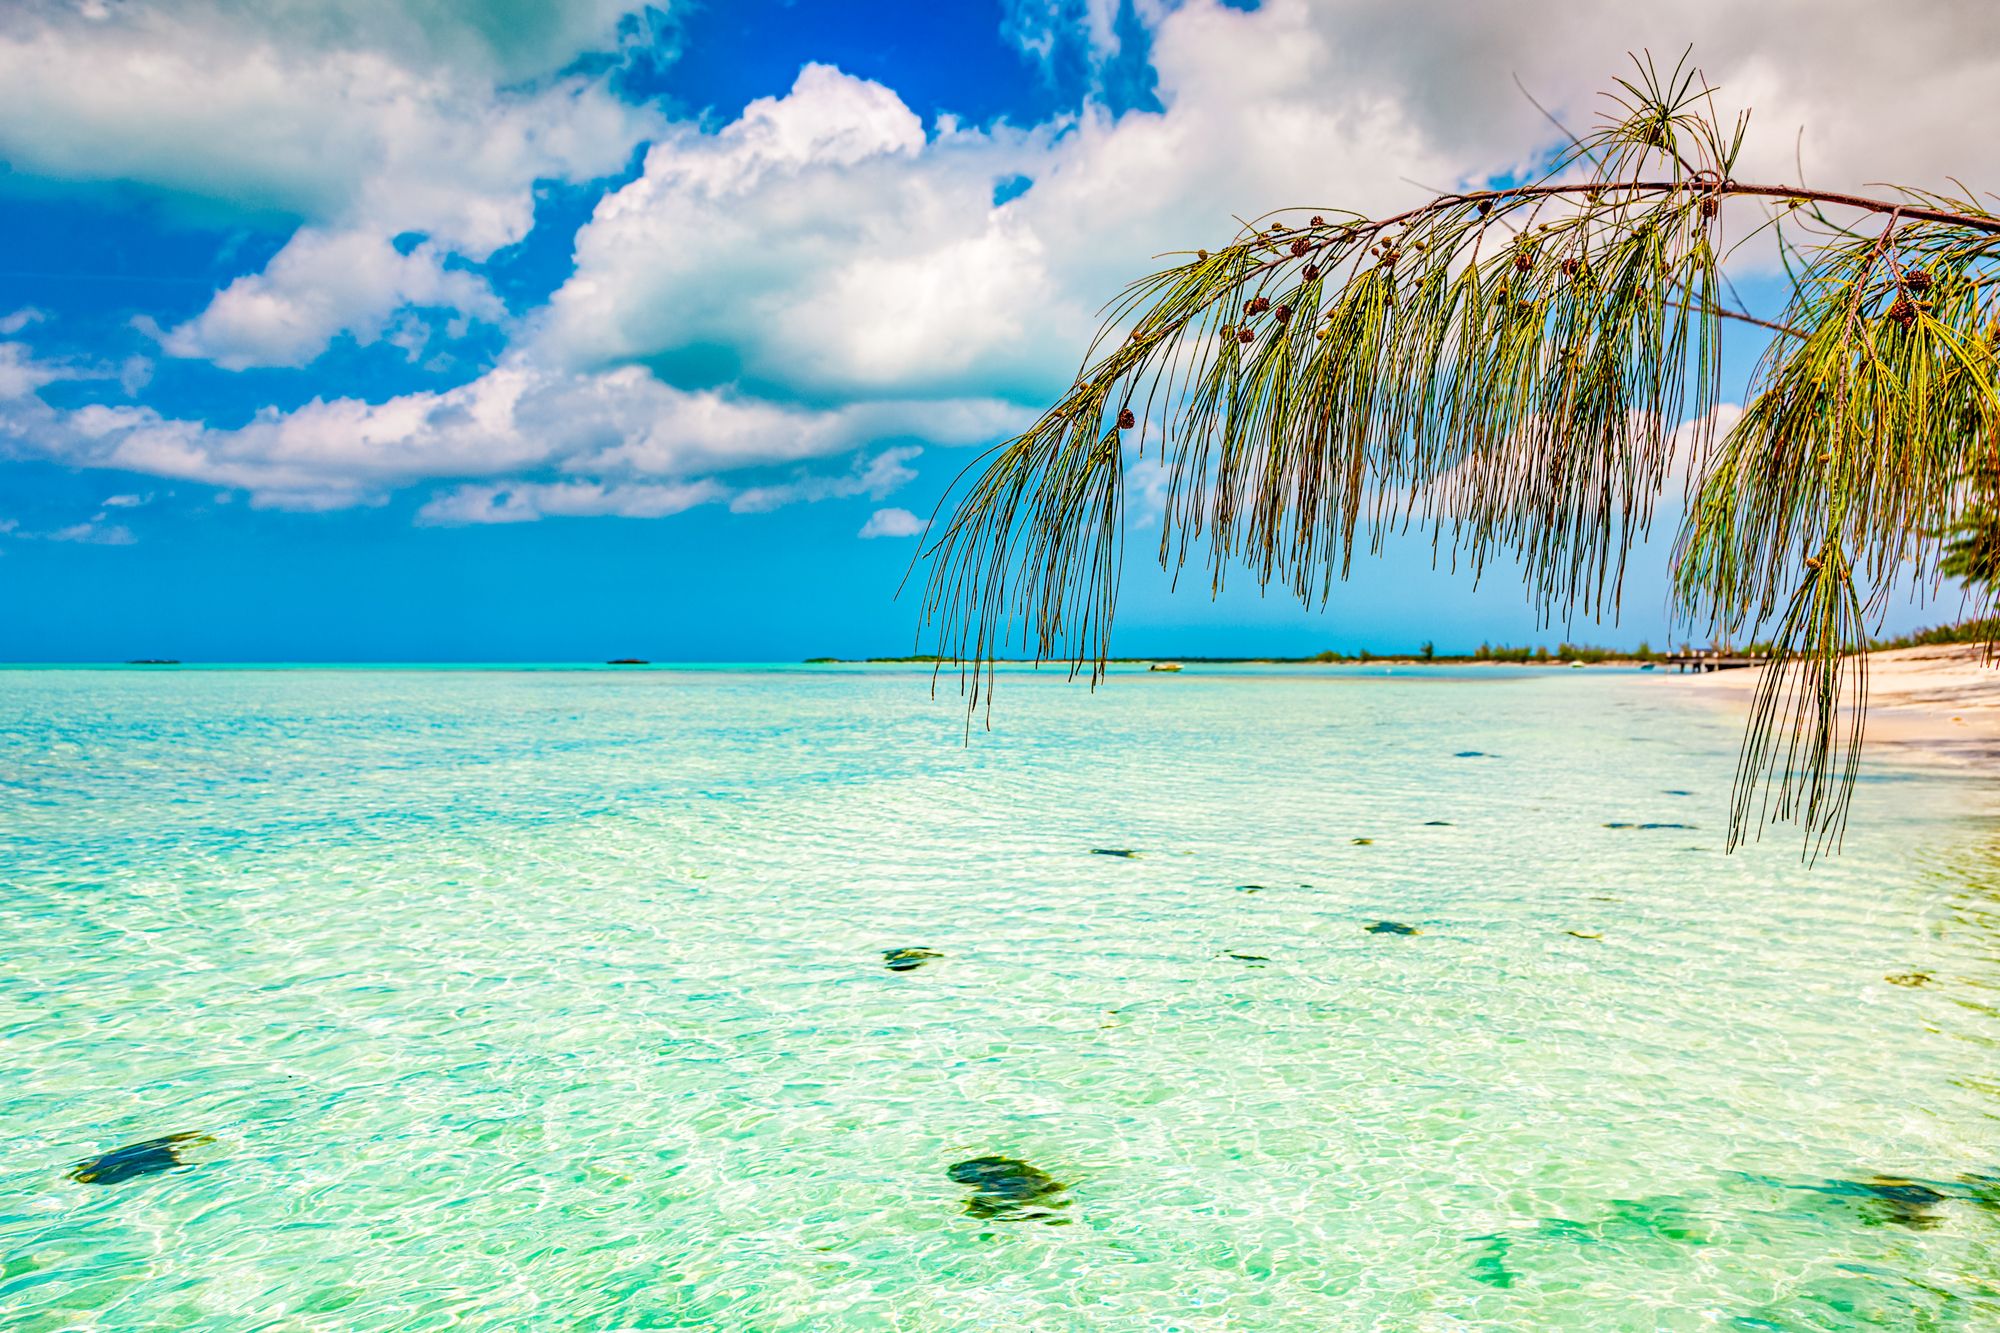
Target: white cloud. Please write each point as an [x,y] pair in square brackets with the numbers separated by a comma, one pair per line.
[1147,483]
[818,238]
[892,523]
[368,119]
[1685,456]
[865,260]
[307,111]
[95,532]
[503,39]
[1039,26]
[320,285]
[18,320]
[134,374]
[832,252]
[21,373]
[874,477]
[522,502]
[128,501]
[610,426]
[1800,64]
[822,248]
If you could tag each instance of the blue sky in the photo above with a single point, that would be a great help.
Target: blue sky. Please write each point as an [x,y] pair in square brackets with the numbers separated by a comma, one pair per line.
[347,330]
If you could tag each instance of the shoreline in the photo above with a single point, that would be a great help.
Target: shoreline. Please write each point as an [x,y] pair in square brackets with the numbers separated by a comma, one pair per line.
[1372,659]
[1932,705]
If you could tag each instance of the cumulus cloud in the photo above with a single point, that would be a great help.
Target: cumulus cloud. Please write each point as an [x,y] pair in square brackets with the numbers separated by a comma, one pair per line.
[1816,66]
[318,286]
[892,523]
[834,250]
[824,248]
[305,109]
[617,425]
[886,266]
[505,39]
[367,119]
[765,238]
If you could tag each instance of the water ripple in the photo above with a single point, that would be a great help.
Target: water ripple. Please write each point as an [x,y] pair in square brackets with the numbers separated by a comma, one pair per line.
[560,1000]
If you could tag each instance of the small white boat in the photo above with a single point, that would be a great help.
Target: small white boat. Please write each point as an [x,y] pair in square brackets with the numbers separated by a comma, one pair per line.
[1164,666]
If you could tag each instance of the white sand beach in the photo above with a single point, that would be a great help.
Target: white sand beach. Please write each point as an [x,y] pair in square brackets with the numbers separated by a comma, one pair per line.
[1933,704]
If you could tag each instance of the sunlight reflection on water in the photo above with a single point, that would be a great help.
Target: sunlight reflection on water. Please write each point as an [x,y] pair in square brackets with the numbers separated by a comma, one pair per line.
[534,1000]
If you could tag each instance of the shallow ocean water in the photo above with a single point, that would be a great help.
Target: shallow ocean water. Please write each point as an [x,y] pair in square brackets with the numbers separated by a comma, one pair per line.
[558,999]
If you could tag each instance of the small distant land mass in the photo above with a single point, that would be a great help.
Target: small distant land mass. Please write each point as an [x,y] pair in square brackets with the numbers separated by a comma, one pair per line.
[628,661]
[154,661]
[1563,654]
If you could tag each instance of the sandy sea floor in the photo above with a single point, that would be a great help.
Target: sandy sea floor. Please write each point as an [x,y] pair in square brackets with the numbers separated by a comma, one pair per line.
[757,1001]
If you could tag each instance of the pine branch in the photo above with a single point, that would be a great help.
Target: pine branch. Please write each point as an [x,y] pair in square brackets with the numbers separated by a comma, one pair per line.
[1520,372]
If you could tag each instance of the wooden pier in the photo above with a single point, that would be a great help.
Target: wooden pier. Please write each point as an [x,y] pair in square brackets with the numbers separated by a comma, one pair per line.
[1712,659]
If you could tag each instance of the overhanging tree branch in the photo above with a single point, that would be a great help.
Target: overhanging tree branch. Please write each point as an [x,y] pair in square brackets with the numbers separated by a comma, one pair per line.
[1522,371]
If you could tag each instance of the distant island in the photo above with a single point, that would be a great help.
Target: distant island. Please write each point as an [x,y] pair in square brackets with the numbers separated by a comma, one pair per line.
[1563,654]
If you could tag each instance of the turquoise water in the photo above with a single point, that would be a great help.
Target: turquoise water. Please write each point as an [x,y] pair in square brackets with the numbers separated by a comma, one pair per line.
[558,1000]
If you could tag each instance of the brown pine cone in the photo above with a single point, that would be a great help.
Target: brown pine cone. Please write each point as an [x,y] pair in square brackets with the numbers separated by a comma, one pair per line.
[1126,420]
[1245,336]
